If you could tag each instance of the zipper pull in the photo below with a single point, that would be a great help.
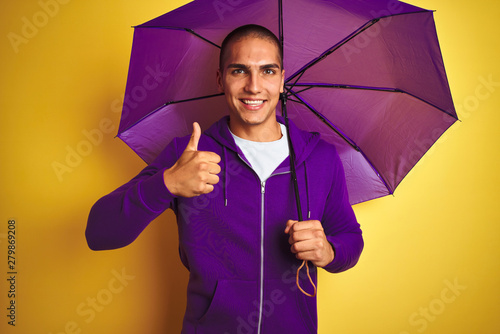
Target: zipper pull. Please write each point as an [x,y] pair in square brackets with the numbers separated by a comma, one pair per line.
[263,187]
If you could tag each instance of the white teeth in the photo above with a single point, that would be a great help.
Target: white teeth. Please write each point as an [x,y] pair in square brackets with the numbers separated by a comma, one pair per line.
[253,102]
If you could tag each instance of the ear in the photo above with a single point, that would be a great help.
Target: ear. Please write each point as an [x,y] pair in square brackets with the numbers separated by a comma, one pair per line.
[282,87]
[219,81]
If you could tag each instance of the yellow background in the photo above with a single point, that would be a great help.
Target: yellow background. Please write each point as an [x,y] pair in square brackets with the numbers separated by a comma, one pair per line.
[441,228]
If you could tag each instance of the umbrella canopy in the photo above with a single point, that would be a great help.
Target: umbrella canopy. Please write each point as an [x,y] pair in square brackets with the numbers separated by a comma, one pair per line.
[367,75]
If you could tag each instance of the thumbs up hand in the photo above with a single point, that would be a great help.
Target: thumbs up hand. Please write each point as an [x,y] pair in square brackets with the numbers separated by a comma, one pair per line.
[195,173]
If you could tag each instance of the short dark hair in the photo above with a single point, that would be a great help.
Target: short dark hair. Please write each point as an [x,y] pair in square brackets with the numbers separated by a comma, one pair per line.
[249,30]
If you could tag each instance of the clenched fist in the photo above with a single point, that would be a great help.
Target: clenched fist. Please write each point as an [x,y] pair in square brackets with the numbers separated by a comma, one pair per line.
[308,242]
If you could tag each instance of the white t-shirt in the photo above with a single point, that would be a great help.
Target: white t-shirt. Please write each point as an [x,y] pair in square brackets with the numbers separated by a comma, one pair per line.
[264,157]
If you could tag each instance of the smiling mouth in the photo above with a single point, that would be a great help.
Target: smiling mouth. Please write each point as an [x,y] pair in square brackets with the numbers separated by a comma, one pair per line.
[252,102]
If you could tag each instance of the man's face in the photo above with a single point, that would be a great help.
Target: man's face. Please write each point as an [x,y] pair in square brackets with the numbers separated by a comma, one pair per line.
[252,80]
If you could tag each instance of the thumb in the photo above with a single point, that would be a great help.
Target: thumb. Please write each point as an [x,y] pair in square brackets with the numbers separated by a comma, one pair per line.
[195,138]
[289,225]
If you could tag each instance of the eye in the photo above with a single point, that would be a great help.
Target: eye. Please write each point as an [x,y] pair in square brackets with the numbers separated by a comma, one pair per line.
[269,71]
[238,71]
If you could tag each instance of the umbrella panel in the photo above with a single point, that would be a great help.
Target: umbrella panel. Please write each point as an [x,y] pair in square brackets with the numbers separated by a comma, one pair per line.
[393,53]
[392,131]
[150,136]
[357,168]
[159,75]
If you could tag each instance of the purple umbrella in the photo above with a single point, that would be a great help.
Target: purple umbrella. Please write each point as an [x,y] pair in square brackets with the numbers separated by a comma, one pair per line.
[367,74]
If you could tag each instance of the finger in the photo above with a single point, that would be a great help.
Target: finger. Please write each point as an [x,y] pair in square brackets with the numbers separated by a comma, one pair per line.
[289,225]
[309,234]
[209,156]
[212,179]
[306,246]
[195,138]
[300,247]
[214,169]
[308,255]
[214,157]
[205,186]
[208,168]
[297,237]
[208,189]
[306,225]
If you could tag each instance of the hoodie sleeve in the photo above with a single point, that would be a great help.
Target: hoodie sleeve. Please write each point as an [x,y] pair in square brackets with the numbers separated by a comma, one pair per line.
[118,218]
[339,222]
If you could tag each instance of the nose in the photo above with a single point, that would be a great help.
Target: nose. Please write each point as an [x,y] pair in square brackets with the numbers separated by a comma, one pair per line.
[253,84]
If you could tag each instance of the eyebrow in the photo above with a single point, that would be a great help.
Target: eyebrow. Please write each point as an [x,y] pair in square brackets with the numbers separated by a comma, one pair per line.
[245,67]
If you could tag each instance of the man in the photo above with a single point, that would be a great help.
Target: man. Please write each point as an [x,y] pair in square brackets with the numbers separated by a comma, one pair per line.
[232,193]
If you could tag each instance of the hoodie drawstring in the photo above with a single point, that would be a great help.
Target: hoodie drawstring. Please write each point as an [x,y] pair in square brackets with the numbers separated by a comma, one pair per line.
[224,181]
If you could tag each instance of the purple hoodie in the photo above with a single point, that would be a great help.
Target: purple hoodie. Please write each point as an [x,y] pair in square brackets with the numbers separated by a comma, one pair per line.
[232,241]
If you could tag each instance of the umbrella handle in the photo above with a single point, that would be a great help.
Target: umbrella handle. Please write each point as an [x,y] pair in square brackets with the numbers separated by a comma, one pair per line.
[310,280]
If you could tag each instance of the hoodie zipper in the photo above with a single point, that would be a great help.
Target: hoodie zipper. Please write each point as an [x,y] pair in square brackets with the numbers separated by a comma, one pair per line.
[261,288]
[263,192]
[262,198]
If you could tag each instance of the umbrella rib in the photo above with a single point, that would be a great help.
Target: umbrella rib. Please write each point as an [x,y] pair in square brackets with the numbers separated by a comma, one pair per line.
[203,38]
[296,80]
[431,104]
[193,99]
[343,136]
[169,103]
[380,89]
[345,86]
[302,90]
[191,31]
